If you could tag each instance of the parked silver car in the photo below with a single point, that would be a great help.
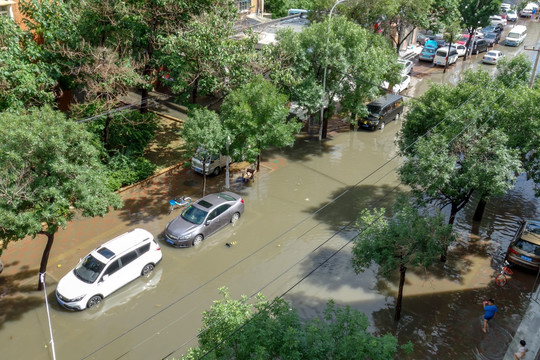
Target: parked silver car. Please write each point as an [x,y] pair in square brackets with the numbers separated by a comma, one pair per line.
[203,218]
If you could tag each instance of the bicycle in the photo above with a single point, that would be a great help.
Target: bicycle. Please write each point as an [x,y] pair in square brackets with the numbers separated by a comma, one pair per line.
[501,278]
[185,201]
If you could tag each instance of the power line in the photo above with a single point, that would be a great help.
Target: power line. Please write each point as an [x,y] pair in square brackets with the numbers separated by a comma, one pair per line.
[280,235]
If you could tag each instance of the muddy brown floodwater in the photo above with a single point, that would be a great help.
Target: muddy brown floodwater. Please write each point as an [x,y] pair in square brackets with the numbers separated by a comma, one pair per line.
[298,213]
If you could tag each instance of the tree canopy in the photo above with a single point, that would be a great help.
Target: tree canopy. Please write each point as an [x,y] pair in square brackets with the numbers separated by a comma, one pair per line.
[454,132]
[410,237]
[203,130]
[49,170]
[204,57]
[25,80]
[357,62]
[236,329]
[255,116]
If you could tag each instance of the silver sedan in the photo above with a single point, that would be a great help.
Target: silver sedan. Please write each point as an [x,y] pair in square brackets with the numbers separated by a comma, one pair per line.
[203,218]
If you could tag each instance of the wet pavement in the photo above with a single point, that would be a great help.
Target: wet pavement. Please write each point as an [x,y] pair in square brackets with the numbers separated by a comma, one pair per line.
[298,215]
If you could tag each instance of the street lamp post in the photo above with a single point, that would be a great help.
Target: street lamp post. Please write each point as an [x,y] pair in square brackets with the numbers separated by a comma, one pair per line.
[227,167]
[325,67]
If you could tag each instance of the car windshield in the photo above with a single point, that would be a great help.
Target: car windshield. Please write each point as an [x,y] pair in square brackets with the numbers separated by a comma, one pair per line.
[513,35]
[491,53]
[490,36]
[374,109]
[194,215]
[528,247]
[429,50]
[89,269]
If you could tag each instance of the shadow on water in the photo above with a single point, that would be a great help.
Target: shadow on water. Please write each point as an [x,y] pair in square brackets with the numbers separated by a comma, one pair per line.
[18,295]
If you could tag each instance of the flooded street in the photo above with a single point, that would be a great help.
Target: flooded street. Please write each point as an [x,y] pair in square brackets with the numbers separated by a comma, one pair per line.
[294,239]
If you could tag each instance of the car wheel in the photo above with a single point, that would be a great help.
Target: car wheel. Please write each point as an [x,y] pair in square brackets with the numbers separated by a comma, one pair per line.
[381,125]
[94,300]
[217,170]
[235,218]
[198,239]
[147,269]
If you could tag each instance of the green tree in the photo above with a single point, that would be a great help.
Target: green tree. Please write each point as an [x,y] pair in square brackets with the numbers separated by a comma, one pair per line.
[475,14]
[236,329]
[357,61]
[408,238]
[49,171]
[205,136]
[255,116]
[204,57]
[25,80]
[453,147]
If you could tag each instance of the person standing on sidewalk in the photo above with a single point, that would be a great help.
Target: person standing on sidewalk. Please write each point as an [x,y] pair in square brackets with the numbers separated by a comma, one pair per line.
[489,312]
[520,354]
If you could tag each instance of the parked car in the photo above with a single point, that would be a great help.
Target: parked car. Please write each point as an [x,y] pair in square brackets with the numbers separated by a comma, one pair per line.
[493,38]
[516,35]
[497,20]
[461,49]
[422,38]
[381,111]
[402,86]
[441,43]
[478,45]
[427,54]
[506,6]
[493,28]
[529,9]
[524,250]
[511,15]
[214,163]
[407,66]
[108,268]
[463,39]
[1,266]
[203,218]
[443,54]
[492,57]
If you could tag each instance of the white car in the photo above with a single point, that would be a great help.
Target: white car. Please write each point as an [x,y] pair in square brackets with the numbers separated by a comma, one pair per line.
[497,20]
[443,56]
[407,66]
[511,15]
[529,9]
[506,6]
[461,49]
[402,86]
[108,268]
[492,57]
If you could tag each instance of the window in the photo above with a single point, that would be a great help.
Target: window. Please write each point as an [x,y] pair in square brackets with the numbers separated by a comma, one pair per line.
[243,5]
[143,249]
[129,257]
[5,10]
[112,268]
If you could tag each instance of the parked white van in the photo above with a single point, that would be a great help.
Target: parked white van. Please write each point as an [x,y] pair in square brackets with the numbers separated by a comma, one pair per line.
[442,54]
[516,35]
[108,268]
[214,163]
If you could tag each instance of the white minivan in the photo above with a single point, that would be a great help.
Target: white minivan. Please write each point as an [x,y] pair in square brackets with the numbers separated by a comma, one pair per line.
[442,54]
[516,35]
[108,268]
[214,163]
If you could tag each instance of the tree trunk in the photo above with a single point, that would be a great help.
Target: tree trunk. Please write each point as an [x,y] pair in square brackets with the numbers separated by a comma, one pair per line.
[258,167]
[467,44]
[106,132]
[45,258]
[325,124]
[453,211]
[194,91]
[402,271]
[480,210]
[144,101]
[204,177]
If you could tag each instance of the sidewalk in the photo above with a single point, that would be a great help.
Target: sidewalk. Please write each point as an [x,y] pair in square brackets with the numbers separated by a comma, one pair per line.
[528,330]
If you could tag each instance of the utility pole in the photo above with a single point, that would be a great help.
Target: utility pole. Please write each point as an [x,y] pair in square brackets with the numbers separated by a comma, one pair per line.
[533,75]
